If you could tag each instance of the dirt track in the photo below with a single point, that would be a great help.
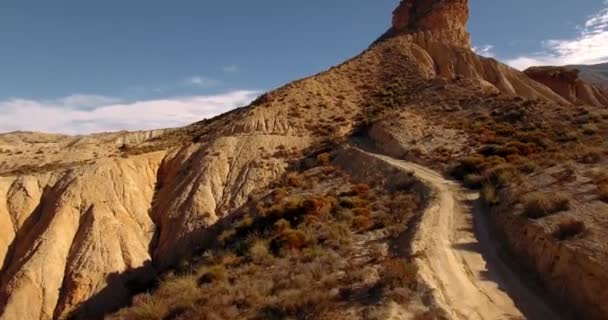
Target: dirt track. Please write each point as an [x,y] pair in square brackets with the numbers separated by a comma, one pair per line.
[458,259]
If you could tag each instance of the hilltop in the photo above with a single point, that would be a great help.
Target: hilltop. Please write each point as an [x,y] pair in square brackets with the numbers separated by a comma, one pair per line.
[88,222]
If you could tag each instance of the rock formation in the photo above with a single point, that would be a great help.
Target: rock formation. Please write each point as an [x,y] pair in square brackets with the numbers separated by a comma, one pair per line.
[441,44]
[595,74]
[567,83]
[444,19]
[84,220]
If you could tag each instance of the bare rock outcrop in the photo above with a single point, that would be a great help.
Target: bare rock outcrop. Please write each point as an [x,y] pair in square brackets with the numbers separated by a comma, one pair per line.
[82,220]
[442,46]
[567,83]
[445,19]
[84,223]
[71,230]
[573,270]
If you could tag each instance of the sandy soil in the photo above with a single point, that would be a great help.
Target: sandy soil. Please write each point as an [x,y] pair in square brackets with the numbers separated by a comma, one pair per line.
[458,258]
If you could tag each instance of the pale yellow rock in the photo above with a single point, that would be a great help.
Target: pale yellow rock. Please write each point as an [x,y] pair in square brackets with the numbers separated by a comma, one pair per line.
[81,217]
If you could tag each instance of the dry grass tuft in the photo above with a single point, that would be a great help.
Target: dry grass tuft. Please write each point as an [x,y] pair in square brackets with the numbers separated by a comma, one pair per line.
[569,229]
[292,254]
[489,194]
[539,204]
[602,191]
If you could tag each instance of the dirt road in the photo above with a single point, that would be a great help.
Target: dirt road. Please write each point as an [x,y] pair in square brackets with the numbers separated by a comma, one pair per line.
[458,258]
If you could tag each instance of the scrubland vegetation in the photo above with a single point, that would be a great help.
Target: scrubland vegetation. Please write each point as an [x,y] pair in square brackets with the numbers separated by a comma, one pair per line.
[539,204]
[510,144]
[314,246]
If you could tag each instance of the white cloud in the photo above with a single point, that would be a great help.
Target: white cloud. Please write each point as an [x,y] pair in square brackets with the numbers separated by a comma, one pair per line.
[85,101]
[202,82]
[589,47]
[485,50]
[233,68]
[61,116]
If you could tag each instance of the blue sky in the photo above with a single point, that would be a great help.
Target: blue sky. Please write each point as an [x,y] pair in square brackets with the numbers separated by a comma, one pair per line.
[89,60]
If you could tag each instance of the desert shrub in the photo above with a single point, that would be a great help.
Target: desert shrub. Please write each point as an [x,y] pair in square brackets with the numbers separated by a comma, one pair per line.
[468,165]
[473,181]
[536,137]
[361,212]
[353,202]
[361,189]
[603,192]
[172,297]
[400,201]
[589,129]
[294,180]
[434,314]
[539,204]
[229,259]
[289,239]
[493,161]
[226,235]
[527,166]
[522,148]
[281,226]
[569,229]
[324,159]
[286,254]
[146,307]
[590,155]
[343,214]
[259,252]
[280,194]
[405,182]
[211,274]
[502,174]
[497,150]
[512,116]
[489,194]
[362,222]
[398,273]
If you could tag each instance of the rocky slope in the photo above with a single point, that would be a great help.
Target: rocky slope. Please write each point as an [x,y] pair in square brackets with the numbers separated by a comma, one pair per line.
[567,83]
[87,221]
[596,74]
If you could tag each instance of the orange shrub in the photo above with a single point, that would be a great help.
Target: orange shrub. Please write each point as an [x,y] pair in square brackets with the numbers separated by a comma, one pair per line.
[324,159]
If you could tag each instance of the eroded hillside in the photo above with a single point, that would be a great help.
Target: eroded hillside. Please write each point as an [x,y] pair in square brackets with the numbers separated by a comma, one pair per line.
[92,220]
[567,83]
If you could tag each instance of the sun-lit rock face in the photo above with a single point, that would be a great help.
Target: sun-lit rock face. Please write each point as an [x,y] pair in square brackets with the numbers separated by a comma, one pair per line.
[445,20]
[84,221]
[567,83]
[437,33]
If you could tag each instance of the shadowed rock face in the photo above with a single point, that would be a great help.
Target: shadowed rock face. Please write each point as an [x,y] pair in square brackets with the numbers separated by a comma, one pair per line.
[567,83]
[446,19]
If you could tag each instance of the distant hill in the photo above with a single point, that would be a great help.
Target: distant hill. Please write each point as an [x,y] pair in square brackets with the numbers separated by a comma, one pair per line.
[596,74]
[261,213]
[588,86]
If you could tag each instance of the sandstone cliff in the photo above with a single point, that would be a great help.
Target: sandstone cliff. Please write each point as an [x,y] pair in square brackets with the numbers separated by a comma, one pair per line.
[446,19]
[595,74]
[442,47]
[567,83]
[86,220]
